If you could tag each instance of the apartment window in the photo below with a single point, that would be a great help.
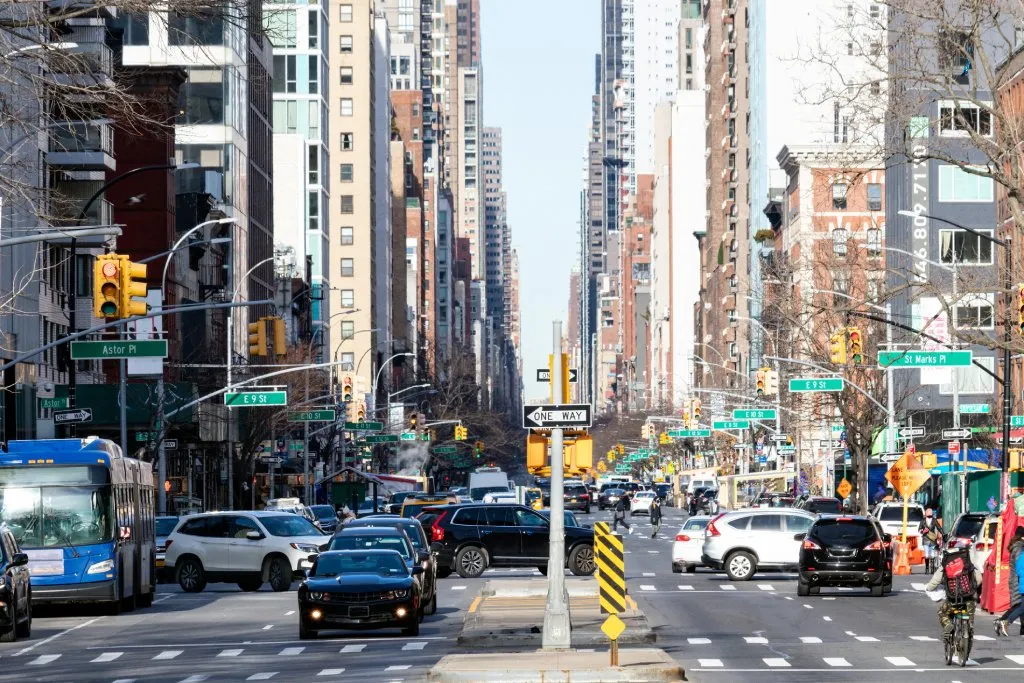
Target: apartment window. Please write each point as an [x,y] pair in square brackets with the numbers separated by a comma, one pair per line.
[284,73]
[346,106]
[313,67]
[313,154]
[876,88]
[839,191]
[874,11]
[962,247]
[196,28]
[976,312]
[689,63]
[314,210]
[960,185]
[345,12]
[348,360]
[347,142]
[346,75]
[963,118]
[347,203]
[849,49]
[415,133]
[348,329]
[732,350]
[347,267]
[201,98]
[313,23]
[345,43]
[347,236]
[347,173]
[840,238]
[874,242]
[840,289]
[689,38]
[874,197]
[348,298]
[876,49]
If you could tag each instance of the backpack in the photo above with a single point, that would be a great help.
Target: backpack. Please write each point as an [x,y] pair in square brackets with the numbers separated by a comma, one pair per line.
[958,576]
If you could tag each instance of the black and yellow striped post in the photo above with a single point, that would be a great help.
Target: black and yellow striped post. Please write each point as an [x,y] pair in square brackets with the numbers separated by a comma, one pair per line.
[611,582]
[601,529]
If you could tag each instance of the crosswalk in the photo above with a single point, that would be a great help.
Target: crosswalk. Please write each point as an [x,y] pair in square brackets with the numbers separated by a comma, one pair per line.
[850,638]
[872,662]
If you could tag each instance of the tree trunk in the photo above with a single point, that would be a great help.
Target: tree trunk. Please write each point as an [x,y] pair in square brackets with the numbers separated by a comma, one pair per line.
[863,492]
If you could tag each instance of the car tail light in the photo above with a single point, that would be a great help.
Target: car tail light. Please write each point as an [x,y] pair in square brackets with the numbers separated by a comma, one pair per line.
[584,496]
[810,545]
[167,545]
[981,546]
[436,532]
[682,537]
[877,545]
[712,530]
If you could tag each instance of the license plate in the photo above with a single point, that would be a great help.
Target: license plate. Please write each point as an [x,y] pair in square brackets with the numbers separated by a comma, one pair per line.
[359,611]
[159,563]
[572,500]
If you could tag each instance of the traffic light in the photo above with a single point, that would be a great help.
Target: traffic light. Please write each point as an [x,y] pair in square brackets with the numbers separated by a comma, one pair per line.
[413,422]
[686,416]
[771,383]
[478,449]
[360,411]
[837,347]
[645,431]
[280,345]
[346,389]
[536,452]
[760,382]
[133,285]
[258,338]
[1020,309]
[106,286]
[460,433]
[663,438]
[856,345]
[696,412]
[620,449]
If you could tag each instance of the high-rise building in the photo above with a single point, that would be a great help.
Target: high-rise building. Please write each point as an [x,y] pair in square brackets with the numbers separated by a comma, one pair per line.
[657,62]
[495,227]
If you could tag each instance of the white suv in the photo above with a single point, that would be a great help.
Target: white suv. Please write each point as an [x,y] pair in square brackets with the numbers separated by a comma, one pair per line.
[247,548]
[744,541]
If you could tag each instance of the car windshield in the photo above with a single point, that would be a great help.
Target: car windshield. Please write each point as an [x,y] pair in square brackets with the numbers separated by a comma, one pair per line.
[824,505]
[371,542]
[165,525]
[613,492]
[894,513]
[57,516]
[410,529]
[359,563]
[479,492]
[696,524]
[854,532]
[289,525]
[324,512]
[968,527]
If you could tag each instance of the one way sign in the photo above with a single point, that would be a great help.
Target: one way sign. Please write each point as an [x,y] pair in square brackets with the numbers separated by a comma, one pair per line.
[556,416]
[69,416]
[544,375]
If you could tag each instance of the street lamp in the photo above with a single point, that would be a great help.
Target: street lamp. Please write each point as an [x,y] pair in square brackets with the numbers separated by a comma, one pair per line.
[1007,280]
[40,46]
[376,379]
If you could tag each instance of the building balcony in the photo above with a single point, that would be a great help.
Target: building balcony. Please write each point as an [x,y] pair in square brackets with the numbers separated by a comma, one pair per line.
[87,66]
[727,46]
[81,145]
[727,204]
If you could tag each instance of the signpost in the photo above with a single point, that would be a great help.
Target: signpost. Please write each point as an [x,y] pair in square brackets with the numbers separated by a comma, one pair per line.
[731,424]
[102,350]
[445,450]
[316,415]
[830,443]
[954,447]
[957,433]
[1017,420]
[754,414]
[171,444]
[919,358]
[364,426]
[256,397]
[975,409]
[76,416]
[544,375]
[910,432]
[890,457]
[808,384]
[844,488]
[689,433]
[53,403]
[561,416]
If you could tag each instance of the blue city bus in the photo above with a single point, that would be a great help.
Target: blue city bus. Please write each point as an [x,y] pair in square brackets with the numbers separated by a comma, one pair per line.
[84,514]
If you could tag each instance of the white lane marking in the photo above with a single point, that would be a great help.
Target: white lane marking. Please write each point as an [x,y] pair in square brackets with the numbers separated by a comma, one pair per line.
[776,662]
[654,552]
[586,649]
[685,588]
[917,586]
[828,598]
[789,597]
[230,653]
[926,639]
[107,657]
[165,597]
[417,645]
[398,667]
[827,618]
[353,648]
[765,587]
[458,588]
[125,680]
[867,639]
[289,613]
[268,627]
[850,633]
[809,606]
[699,641]
[755,640]
[291,651]
[262,676]
[330,672]
[710,663]
[810,639]
[647,587]
[728,587]
[43,659]
[168,654]
[55,636]
[648,573]
[836,661]
[197,678]
[978,636]
[1016,659]
[628,552]
[899,661]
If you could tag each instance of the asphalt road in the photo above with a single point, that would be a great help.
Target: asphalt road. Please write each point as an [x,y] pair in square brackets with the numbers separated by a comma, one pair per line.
[718,630]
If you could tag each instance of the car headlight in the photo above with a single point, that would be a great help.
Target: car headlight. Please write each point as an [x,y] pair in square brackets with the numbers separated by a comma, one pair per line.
[396,595]
[306,547]
[100,567]
[316,596]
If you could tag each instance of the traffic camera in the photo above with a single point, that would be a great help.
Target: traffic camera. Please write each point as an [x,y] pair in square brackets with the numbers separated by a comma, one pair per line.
[258,338]
[856,345]
[837,347]
[106,286]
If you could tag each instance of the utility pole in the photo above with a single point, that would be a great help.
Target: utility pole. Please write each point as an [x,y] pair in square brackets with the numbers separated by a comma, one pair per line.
[557,627]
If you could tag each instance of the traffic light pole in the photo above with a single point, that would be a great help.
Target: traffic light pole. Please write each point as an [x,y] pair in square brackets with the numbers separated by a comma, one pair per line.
[557,627]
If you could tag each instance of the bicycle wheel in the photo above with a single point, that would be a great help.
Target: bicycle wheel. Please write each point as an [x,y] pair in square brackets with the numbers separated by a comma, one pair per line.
[966,640]
[947,642]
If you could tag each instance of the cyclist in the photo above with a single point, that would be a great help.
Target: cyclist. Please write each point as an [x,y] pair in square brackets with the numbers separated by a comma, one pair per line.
[962,583]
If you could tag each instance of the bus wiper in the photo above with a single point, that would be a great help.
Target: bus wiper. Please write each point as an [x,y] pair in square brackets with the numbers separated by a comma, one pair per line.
[67,541]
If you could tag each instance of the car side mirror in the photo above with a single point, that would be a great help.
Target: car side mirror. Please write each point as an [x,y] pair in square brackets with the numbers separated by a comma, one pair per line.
[887,538]
[254,535]
[19,560]
[417,570]
[313,558]
[423,555]
[799,537]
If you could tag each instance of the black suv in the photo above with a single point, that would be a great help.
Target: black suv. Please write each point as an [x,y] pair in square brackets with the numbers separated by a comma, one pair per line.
[15,590]
[576,497]
[469,538]
[844,551]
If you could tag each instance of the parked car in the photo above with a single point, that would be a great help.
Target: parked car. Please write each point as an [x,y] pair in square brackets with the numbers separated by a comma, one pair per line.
[964,530]
[292,505]
[420,543]
[15,589]
[362,538]
[416,503]
[984,540]
[249,548]
[890,516]
[364,589]
[641,503]
[326,518]
[664,492]
[743,542]
[609,497]
[820,505]
[470,538]
[844,551]
[394,505]
[500,497]
[576,497]
[688,545]
[164,526]
[570,519]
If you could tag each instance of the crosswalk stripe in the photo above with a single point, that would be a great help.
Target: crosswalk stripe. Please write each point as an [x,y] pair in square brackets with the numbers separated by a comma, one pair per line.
[699,641]
[1016,659]
[836,661]
[168,654]
[417,645]
[330,672]
[43,659]
[458,588]
[899,661]
[230,653]
[291,651]
[710,663]
[398,667]
[196,678]
[353,648]
[648,574]
[925,639]
[867,639]
[810,639]
[978,636]
[765,586]
[266,675]
[107,657]
[727,587]
[684,587]
[755,640]
[776,662]
[125,680]
[647,587]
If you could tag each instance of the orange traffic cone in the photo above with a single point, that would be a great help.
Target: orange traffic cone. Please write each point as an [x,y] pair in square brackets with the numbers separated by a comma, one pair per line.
[902,565]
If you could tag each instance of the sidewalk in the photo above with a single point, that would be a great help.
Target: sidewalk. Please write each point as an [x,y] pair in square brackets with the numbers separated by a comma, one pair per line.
[645,664]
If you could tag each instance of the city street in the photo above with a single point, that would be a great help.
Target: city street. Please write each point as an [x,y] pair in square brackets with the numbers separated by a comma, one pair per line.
[718,630]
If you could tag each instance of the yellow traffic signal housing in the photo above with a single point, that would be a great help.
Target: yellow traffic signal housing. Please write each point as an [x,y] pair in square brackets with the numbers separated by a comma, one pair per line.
[837,347]
[620,449]
[133,285]
[106,286]
[771,382]
[413,421]
[696,411]
[580,455]
[460,433]
[536,452]
[258,338]
[280,344]
[856,342]
[1020,309]
[760,382]
[360,411]
[346,389]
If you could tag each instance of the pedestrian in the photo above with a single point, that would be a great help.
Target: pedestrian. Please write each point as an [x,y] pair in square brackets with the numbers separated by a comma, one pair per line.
[931,538]
[347,515]
[880,494]
[619,516]
[655,517]
[1016,584]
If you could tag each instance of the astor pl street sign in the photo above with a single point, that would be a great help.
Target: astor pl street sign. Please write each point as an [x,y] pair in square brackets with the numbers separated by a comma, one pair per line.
[731,424]
[958,433]
[689,433]
[53,403]
[919,358]
[556,416]
[754,414]
[72,416]
[816,384]
[975,409]
[85,350]
[544,375]
[256,398]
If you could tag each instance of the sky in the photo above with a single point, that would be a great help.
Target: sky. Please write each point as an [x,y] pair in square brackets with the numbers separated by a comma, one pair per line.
[538,65]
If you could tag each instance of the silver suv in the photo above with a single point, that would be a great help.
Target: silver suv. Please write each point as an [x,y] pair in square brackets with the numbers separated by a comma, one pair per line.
[745,541]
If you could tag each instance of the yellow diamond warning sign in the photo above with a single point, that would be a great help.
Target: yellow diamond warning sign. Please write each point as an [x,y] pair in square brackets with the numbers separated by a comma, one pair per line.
[613,627]
[844,488]
[907,475]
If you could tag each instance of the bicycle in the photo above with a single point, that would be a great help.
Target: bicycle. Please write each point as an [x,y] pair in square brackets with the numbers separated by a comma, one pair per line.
[959,642]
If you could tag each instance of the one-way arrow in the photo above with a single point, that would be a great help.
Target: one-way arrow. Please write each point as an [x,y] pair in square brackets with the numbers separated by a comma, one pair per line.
[66,416]
[544,375]
[555,416]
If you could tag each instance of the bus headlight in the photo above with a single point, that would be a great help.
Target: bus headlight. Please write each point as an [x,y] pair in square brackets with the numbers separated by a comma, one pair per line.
[101,567]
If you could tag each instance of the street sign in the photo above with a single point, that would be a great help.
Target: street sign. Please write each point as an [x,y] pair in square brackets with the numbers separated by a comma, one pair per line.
[779,438]
[86,350]
[408,436]
[556,416]
[382,438]
[837,429]
[443,450]
[731,424]
[1017,420]
[907,475]
[816,384]
[830,443]
[754,414]
[919,358]
[957,433]
[77,415]
[954,447]
[272,459]
[256,398]
[689,433]
[171,444]
[787,449]
[317,415]
[53,403]
[975,409]
[544,375]
[910,432]
[613,627]
[364,426]
[890,457]
[844,488]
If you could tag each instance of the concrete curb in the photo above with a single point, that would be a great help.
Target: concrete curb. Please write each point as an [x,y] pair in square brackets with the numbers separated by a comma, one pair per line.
[643,664]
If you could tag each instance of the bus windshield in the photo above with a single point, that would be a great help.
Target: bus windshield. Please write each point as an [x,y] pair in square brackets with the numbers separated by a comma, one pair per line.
[57,516]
